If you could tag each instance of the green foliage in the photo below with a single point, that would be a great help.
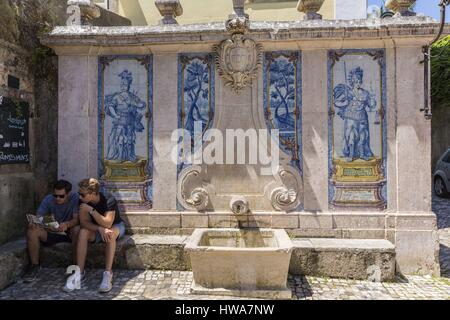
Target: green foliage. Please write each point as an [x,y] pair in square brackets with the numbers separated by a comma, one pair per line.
[9,28]
[440,73]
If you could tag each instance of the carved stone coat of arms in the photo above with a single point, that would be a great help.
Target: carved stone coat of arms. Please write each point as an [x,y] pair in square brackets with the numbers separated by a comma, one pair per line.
[237,60]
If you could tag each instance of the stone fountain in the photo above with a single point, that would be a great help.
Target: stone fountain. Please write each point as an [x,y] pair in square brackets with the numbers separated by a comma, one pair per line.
[291,76]
[240,262]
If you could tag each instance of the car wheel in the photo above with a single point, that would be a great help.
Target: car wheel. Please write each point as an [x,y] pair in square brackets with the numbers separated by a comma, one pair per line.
[439,187]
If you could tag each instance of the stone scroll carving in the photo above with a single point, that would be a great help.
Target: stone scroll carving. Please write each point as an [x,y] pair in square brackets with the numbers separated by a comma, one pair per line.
[192,190]
[286,192]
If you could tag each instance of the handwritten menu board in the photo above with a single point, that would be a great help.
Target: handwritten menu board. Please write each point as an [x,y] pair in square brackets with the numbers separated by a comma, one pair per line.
[14,146]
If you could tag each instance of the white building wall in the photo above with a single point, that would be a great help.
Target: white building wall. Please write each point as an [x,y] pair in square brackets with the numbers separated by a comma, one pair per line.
[350,9]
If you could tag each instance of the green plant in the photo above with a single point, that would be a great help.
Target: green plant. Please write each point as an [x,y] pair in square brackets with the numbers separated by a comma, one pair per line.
[440,73]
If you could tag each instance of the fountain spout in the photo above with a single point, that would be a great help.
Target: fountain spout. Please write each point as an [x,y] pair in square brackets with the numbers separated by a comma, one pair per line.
[239,205]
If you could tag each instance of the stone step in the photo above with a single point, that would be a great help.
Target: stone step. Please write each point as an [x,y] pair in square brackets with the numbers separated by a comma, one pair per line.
[344,258]
[156,252]
[13,260]
[325,257]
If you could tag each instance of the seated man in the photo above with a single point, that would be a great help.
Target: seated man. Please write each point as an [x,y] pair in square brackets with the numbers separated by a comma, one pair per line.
[63,205]
[100,222]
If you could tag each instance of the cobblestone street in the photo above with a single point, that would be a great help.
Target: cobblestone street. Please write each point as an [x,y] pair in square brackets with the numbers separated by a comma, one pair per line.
[441,206]
[133,284]
[137,285]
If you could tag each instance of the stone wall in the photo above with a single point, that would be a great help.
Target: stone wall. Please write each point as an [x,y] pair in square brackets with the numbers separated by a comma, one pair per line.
[406,221]
[22,186]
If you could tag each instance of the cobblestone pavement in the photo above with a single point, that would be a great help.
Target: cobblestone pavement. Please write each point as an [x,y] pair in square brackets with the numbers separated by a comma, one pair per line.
[441,206]
[149,284]
[157,285]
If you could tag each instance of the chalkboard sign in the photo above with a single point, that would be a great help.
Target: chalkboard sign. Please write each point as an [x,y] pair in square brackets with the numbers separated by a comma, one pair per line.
[14,131]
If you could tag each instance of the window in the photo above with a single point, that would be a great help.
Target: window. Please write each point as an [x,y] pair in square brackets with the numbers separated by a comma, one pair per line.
[446,158]
[102,3]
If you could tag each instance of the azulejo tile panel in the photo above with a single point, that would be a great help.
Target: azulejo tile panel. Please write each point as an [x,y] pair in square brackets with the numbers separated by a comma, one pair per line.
[126,129]
[357,129]
[283,101]
[196,103]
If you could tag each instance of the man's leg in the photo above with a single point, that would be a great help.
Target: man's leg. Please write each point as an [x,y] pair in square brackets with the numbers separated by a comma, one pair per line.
[73,234]
[110,250]
[35,235]
[84,237]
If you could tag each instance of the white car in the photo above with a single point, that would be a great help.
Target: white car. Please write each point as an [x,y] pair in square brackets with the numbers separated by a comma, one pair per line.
[441,177]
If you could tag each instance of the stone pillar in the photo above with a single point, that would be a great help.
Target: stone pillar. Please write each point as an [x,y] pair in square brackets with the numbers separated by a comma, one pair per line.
[391,110]
[413,134]
[315,130]
[77,118]
[165,121]
[416,240]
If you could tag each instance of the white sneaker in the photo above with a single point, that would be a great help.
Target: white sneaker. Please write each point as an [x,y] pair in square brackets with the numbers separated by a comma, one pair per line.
[106,284]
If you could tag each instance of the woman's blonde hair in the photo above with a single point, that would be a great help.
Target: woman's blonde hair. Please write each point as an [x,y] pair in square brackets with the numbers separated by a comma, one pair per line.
[91,185]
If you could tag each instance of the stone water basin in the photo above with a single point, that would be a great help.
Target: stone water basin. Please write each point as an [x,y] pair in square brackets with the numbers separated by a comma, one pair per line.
[240,262]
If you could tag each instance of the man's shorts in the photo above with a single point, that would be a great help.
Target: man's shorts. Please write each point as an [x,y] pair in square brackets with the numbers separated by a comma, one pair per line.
[54,238]
[120,226]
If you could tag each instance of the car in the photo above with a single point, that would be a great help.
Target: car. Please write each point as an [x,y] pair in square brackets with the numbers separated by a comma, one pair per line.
[441,177]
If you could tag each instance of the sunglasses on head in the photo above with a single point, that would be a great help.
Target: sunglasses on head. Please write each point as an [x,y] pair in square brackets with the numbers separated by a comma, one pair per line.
[61,196]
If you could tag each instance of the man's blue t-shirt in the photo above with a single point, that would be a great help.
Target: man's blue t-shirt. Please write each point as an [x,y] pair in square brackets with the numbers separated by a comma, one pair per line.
[61,212]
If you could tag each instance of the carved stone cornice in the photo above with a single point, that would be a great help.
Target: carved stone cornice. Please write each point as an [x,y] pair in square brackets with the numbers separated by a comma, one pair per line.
[324,33]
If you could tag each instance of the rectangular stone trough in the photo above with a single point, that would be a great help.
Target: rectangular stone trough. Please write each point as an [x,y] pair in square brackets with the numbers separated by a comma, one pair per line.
[240,262]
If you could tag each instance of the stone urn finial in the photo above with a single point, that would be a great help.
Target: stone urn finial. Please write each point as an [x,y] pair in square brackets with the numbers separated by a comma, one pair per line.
[81,12]
[169,9]
[401,7]
[239,9]
[310,8]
